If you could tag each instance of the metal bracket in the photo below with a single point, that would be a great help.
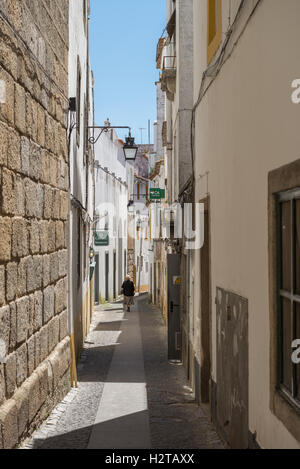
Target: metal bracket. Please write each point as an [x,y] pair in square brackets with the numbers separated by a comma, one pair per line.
[105,129]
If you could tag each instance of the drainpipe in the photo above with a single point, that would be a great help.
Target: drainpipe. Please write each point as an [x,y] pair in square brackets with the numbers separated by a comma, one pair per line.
[70,271]
[70,296]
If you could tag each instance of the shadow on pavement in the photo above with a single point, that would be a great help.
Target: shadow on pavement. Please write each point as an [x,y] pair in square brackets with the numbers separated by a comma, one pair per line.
[108,435]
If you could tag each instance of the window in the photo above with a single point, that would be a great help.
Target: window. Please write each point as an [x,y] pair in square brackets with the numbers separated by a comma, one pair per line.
[78,114]
[214,27]
[289,292]
[284,285]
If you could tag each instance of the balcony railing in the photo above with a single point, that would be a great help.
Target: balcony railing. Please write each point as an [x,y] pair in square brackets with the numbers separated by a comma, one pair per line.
[168,76]
[169,62]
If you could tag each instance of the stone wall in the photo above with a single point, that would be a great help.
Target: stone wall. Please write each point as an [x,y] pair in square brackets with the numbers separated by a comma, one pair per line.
[33,213]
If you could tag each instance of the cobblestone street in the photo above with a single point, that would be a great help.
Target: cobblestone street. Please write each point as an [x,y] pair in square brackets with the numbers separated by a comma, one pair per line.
[128,395]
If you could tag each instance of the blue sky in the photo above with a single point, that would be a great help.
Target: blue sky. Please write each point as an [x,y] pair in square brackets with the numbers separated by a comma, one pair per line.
[124,35]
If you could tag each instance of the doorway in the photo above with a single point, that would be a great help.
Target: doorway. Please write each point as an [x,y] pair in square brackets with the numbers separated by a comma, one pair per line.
[205,310]
[97,280]
[107,276]
[114,276]
[174,323]
[232,399]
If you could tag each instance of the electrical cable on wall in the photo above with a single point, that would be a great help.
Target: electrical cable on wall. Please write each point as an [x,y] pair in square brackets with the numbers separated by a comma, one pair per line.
[212,71]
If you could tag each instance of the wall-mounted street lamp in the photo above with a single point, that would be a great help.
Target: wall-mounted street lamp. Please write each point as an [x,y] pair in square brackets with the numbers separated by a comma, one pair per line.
[130,149]
[130,206]
[92,253]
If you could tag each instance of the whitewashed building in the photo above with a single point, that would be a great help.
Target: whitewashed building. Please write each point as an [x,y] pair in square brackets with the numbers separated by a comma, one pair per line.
[111,199]
[81,210]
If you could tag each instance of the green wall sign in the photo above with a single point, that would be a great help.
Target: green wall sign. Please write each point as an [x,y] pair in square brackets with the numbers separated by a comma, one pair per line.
[157,194]
[101,238]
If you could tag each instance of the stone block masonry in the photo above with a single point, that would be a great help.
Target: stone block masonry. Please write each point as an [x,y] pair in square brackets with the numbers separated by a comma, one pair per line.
[34,183]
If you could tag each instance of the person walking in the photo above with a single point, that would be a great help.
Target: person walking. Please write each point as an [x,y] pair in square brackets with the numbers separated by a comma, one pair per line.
[128,289]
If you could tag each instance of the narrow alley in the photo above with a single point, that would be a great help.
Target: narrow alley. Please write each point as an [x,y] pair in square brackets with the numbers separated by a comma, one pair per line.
[148,160]
[128,395]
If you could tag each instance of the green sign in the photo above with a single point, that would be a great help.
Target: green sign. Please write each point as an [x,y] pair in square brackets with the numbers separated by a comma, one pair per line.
[157,194]
[101,238]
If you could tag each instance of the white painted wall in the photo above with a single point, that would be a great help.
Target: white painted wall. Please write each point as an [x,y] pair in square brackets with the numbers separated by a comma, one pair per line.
[111,195]
[81,172]
[247,126]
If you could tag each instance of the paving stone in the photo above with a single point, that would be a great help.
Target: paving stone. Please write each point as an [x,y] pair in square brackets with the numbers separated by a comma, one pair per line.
[53,334]
[63,263]
[5,239]
[44,337]
[51,236]
[20,109]
[31,191]
[34,237]
[2,285]
[3,144]
[46,270]
[64,206]
[49,304]
[25,151]
[11,281]
[7,108]
[9,423]
[31,361]
[11,374]
[48,202]
[60,296]
[4,328]
[63,325]
[21,398]
[14,151]
[13,327]
[22,319]
[22,373]
[20,247]
[38,311]
[22,278]
[54,267]
[60,235]
[2,385]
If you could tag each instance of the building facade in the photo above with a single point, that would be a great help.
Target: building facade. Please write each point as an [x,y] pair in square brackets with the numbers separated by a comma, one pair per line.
[238,157]
[34,171]
[244,158]
[158,177]
[175,60]
[81,155]
[110,235]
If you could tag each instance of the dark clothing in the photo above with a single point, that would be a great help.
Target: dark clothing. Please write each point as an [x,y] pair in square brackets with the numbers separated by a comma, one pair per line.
[128,288]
